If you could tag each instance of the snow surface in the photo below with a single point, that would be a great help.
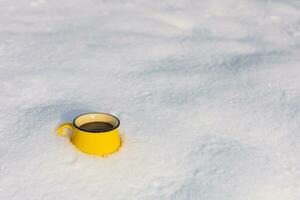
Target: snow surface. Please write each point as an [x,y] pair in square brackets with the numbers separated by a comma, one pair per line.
[208,93]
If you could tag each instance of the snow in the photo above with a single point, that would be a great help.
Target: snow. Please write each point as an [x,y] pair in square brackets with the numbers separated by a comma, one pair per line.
[208,94]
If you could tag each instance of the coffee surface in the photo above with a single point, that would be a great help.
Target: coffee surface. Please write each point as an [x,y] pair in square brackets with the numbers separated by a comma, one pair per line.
[97,126]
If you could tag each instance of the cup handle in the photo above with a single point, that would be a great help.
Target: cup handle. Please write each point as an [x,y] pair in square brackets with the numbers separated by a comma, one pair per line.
[61,130]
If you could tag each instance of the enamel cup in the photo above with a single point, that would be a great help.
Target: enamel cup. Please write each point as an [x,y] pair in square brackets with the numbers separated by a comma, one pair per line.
[99,142]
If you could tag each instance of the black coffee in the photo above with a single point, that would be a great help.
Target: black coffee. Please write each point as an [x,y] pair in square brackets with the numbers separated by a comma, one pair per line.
[97,126]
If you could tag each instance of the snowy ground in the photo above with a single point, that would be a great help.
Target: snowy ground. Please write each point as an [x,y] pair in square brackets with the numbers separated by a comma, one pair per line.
[208,93]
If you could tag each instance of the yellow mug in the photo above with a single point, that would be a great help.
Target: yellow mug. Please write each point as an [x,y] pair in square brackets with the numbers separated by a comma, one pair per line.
[93,133]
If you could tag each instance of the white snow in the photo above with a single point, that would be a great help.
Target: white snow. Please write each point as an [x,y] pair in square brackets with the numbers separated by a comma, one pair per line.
[208,94]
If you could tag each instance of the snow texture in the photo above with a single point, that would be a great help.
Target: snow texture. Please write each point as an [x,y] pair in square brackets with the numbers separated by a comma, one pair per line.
[208,94]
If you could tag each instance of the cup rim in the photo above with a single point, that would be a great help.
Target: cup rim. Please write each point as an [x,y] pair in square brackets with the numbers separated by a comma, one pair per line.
[108,130]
